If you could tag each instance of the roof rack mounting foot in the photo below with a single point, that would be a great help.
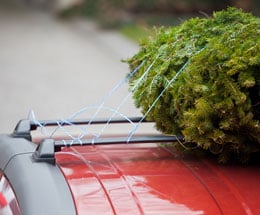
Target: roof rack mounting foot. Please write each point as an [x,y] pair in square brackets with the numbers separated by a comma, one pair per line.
[23,129]
[45,152]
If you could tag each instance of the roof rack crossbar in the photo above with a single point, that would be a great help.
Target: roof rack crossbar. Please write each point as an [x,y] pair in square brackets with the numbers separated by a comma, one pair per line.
[24,127]
[45,152]
[87,121]
[58,144]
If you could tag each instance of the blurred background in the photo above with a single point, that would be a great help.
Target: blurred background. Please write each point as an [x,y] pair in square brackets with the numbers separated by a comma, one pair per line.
[118,13]
[58,57]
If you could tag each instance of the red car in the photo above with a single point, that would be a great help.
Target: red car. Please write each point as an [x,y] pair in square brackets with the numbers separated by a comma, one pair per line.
[116,175]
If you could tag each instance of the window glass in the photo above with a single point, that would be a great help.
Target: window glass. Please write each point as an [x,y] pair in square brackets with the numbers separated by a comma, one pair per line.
[8,202]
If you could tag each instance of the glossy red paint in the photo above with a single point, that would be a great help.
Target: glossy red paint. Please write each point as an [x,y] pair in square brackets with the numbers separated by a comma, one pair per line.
[148,179]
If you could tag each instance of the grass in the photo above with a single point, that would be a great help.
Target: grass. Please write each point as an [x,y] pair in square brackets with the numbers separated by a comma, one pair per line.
[143,26]
[135,32]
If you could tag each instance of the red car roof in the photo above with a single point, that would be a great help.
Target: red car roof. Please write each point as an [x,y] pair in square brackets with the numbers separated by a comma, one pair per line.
[149,179]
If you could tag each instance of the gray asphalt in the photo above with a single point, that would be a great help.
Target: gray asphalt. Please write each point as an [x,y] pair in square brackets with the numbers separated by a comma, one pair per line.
[57,67]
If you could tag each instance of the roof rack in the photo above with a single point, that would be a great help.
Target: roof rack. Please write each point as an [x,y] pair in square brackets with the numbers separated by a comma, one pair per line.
[24,127]
[45,151]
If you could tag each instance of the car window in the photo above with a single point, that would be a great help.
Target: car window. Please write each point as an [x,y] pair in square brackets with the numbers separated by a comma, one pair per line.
[8,201]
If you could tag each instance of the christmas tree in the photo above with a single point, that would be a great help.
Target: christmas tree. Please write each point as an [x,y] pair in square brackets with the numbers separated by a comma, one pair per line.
[201,79]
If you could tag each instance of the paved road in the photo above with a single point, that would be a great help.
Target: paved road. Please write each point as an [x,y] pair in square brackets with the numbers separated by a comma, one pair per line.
[55,67]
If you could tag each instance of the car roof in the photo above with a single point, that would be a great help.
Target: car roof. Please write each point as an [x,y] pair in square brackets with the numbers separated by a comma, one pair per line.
[118,175]
[150,179]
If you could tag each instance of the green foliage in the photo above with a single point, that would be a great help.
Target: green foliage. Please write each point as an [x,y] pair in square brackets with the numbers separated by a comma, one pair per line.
[208,72]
